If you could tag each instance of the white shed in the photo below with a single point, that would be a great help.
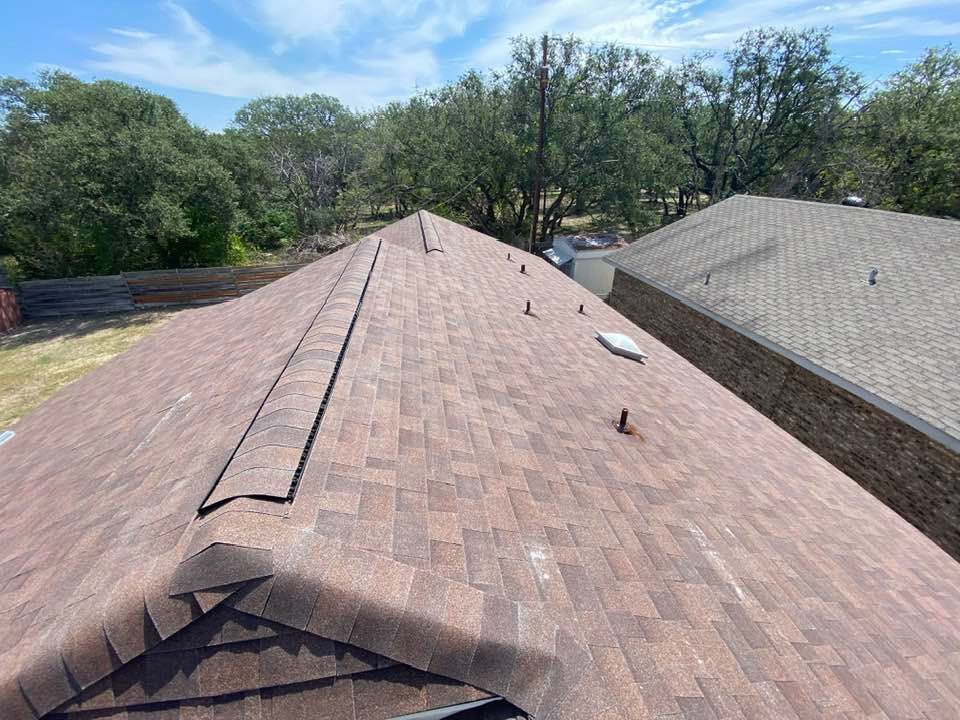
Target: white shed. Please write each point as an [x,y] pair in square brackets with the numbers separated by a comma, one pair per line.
[581,258]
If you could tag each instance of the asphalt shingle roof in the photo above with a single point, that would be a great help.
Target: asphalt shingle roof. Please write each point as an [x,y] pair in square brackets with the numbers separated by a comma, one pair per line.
[796,273]
[468,522]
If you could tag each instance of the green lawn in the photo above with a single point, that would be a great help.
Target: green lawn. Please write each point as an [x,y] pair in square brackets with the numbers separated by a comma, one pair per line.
[39,358]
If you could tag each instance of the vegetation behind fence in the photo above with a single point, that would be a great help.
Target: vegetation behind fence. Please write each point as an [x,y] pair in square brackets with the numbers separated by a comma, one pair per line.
[150,289]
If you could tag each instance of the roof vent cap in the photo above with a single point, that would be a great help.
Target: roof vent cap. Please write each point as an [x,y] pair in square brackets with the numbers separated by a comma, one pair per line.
[620,344]
[854,201]
[6,435]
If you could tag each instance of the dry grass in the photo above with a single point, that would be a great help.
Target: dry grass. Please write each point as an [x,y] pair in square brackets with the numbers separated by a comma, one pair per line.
[39,358]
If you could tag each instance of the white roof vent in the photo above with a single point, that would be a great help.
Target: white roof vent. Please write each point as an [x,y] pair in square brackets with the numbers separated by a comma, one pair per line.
[620,344]
[558,255]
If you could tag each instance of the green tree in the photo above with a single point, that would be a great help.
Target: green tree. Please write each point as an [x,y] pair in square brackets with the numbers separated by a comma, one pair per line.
[779,93]
[475,157]
[387,159]
[312,145]
[468,148]
[598,154]
[904,151]
[103,177]
[263,219]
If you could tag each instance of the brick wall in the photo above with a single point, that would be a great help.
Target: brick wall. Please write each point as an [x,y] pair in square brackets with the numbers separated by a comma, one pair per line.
[914,475]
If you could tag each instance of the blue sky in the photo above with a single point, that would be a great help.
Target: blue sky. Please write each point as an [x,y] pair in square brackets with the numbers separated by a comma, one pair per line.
[211,56]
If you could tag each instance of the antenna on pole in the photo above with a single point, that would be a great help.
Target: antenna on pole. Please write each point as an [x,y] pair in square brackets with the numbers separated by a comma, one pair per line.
[535,196]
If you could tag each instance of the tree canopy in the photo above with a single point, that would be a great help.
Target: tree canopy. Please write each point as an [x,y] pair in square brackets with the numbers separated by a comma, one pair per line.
[903,149]
[311,145]
[780,93]
[99,177]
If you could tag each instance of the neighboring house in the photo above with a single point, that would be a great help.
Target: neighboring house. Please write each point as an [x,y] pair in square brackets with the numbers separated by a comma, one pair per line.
[378,487]
[839,323]
[581,257]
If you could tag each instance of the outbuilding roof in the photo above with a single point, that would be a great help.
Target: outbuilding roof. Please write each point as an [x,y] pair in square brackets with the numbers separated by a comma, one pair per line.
[592,241]
[869,299]
[379,486]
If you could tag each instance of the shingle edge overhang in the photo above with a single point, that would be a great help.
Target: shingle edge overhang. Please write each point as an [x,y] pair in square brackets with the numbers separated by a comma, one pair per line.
[919,424]
[317,585]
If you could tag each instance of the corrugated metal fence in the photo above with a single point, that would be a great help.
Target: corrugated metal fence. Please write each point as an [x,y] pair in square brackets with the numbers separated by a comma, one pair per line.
[150,289]
[70,296]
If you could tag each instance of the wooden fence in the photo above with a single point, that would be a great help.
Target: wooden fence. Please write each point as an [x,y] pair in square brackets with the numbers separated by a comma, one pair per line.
[9,307]
[150,289]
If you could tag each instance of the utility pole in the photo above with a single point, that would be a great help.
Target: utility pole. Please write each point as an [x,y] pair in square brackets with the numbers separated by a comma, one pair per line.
[535,196]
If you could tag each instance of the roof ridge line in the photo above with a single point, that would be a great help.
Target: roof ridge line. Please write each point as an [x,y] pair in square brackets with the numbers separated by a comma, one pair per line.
[818,203]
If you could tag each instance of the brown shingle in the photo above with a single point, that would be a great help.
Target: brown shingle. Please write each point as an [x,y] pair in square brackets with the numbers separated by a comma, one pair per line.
[467,508]
[338,603]
[295,658]
[422,621]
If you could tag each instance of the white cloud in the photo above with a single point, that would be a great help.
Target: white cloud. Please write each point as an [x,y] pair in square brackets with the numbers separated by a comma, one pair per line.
[290,22]
[132,33]
[891,52]
[370,51]
[294,20]
[906,25]
[676,27]
[192,58]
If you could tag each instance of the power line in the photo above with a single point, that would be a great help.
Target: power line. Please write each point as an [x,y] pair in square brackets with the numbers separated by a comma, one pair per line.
[459,192]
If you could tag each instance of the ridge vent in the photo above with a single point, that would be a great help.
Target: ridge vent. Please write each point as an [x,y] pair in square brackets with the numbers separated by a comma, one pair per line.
[431,238]
[270,458]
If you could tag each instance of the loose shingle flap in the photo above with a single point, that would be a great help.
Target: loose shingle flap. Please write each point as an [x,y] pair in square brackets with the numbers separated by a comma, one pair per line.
[277,443]
[220,565]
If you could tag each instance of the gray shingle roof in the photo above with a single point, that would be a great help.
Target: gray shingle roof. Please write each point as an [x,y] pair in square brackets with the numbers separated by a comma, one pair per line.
[796,275]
